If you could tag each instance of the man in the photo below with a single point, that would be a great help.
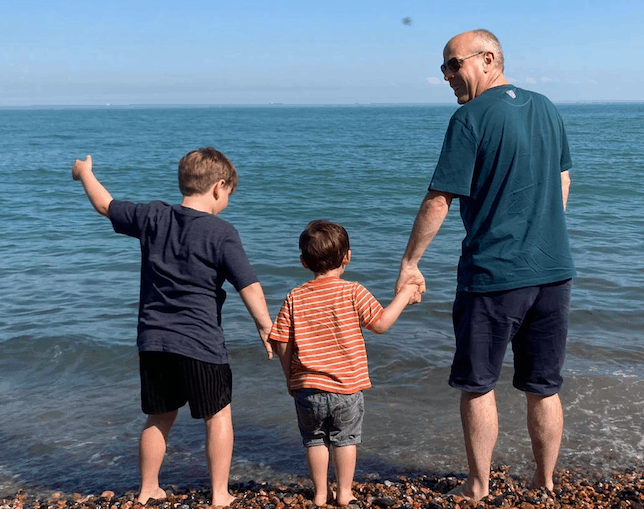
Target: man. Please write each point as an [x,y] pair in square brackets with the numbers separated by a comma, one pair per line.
[505,156]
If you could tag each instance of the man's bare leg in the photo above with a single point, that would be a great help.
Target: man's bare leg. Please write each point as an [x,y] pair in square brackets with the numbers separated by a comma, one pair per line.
[344,463]
[480,430]
[317,459]
[219,453]
[545,425]
[152,446]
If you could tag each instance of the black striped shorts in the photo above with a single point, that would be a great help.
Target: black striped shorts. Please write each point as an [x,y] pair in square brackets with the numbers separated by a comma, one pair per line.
[169,381]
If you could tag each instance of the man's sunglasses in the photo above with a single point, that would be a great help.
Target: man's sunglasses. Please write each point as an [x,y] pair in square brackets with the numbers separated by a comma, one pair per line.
[454,64]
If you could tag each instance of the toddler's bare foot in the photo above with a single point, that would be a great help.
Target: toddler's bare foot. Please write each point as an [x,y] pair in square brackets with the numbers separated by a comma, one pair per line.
[329,499]
[145,495]
[222,500]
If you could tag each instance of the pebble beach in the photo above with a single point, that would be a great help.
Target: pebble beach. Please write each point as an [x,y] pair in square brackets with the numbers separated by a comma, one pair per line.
[618,490]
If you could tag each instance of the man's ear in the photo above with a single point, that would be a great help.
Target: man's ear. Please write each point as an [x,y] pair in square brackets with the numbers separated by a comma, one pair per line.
[488,59]
[304,264]
[347,258]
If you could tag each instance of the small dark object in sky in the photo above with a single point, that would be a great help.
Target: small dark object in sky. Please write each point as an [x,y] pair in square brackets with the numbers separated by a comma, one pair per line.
[407,21]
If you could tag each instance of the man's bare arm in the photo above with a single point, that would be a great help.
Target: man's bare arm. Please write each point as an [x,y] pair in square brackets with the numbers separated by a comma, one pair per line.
[428,221]
[565,187]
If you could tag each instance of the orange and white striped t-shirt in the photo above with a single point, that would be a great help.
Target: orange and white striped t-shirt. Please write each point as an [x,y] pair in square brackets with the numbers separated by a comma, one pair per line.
[323,318]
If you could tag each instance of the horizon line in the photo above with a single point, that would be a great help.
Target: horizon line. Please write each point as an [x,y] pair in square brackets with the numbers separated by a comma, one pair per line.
[271,104]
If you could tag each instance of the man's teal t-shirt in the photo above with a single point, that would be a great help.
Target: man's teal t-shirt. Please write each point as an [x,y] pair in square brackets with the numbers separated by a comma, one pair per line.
[503,155]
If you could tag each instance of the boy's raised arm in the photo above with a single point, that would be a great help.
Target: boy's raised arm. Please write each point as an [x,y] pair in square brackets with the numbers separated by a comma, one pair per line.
[98,196]
[253,298]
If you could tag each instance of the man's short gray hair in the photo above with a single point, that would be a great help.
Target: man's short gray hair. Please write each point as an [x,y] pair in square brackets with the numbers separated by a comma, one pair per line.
[488,41]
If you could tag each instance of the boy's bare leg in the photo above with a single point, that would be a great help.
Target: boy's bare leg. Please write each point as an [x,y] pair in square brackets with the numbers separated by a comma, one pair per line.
[480,430]
[545,424]
[317,459]
[344,463]
[219,453]
[152,446]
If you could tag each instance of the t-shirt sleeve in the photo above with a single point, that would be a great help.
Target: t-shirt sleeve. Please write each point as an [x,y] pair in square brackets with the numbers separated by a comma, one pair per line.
[239,271]
[282,330]
[368,307]
[455,167]
[128,218]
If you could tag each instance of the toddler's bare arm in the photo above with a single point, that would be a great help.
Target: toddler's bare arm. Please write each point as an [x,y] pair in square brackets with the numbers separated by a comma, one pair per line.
[98,196]
[396,307]
[284,351]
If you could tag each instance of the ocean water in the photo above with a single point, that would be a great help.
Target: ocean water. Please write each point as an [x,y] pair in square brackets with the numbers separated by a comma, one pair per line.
[69,400]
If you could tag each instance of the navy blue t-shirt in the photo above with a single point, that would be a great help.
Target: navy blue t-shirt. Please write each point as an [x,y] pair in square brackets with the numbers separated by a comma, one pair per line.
[186,256]
[503,155]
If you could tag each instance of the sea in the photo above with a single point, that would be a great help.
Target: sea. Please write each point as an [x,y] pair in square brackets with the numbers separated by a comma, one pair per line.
[70,413]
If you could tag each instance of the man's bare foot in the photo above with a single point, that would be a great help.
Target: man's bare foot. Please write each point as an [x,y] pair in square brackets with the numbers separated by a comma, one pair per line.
[466,491]
[156,494]
[537,485]
[222,500]
[539,482]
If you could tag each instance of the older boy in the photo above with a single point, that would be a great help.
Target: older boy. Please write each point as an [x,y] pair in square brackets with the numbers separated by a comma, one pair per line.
[187,253]
[318,338]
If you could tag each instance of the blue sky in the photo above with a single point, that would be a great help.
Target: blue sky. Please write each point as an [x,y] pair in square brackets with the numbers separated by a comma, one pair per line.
[300,52]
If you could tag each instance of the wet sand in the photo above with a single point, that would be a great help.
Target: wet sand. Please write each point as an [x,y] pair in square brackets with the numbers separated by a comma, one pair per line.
[619,490]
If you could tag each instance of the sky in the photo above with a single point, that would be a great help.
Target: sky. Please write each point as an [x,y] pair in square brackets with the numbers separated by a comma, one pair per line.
[71,52]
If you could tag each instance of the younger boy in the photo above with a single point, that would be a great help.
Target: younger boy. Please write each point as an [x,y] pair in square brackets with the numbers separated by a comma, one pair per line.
[318,338]
[186,254]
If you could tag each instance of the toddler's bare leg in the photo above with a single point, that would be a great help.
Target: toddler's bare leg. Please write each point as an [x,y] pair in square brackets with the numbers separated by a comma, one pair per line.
[344,462]
[219,453]
[152,446]
[317,459]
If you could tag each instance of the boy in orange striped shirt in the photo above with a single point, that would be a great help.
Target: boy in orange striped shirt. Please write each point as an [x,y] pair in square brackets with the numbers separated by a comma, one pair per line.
[318,338]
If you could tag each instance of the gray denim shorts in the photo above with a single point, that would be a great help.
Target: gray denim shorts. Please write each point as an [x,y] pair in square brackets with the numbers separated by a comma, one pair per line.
[326,418]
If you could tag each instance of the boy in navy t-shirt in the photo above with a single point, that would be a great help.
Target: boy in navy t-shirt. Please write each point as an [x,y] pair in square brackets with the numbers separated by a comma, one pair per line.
[186,255]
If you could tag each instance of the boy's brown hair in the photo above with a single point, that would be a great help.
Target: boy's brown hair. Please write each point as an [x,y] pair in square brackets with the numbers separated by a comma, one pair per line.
[324,245]
[200,169]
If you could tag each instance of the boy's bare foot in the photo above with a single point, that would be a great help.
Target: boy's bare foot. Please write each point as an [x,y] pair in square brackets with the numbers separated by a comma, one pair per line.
[157,494]
[466,491]
[222,500]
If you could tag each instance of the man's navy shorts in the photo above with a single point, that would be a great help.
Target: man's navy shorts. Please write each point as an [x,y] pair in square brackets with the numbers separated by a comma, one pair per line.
[533,319]
[169,381]
[327,418]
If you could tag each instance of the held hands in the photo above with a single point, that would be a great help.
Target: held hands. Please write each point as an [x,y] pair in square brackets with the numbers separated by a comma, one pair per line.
[81,167]
[411,281]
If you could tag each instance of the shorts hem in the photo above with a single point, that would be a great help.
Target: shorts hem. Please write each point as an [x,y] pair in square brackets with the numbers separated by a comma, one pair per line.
[344,443]
[546,391]
[475,389]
